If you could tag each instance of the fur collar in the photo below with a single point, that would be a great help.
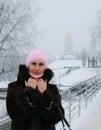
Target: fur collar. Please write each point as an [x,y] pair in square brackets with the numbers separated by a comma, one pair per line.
[23,74]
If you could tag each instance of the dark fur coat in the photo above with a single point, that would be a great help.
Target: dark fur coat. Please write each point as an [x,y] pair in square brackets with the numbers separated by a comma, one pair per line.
[28,108]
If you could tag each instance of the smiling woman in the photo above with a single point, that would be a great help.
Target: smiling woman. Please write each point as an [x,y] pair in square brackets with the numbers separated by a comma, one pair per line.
[36,63]
[32,102]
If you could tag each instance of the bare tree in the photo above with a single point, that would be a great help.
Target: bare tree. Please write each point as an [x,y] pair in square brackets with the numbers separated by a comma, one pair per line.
[15,25]
[17,29]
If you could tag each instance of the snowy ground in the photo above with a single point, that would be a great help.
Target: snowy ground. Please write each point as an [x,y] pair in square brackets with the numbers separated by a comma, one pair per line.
[76,75]
[2,108]
[90,118]
[4,84]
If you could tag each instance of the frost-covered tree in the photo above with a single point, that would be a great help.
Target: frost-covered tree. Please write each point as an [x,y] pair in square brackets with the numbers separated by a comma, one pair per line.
[18,32]
[17,26]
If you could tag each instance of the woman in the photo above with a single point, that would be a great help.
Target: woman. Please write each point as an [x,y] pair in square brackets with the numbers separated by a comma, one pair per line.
[32,102]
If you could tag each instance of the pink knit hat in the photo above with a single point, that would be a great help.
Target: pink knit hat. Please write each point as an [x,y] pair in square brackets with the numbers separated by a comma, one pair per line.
[36,55]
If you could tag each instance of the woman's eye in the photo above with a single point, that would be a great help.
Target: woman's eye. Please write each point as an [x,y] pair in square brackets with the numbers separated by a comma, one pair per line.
[33,63]
[41,64]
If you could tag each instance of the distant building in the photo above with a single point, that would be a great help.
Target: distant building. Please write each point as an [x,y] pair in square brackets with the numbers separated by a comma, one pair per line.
[93,58]
[68,48]
[93,51]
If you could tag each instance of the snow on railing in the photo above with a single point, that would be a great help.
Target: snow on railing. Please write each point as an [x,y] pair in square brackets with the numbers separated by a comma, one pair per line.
[5,123]
[77,97]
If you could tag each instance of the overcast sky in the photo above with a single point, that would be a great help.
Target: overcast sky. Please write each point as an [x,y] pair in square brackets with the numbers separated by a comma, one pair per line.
[62,16]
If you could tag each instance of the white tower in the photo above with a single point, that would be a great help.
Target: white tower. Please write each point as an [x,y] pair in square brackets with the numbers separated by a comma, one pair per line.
[93,46]
[68,48]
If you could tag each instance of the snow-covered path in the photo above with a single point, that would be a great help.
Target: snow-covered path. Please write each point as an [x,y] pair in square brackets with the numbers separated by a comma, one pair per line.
[90,118]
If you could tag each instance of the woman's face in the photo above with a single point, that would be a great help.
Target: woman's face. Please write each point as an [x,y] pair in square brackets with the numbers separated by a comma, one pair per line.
[36,67]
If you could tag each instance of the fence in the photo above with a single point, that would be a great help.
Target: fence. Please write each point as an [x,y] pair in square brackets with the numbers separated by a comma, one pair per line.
[77,97]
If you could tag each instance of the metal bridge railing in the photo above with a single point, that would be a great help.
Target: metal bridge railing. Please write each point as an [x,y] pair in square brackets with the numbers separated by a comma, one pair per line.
[5,123]
[77,97]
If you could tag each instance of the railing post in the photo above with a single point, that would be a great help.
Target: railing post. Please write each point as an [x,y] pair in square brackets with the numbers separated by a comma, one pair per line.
[69,106]
[79,107]
[86,98]
[91,90]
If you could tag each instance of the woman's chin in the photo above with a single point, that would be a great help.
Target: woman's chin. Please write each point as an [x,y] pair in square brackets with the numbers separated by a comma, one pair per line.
[36,75]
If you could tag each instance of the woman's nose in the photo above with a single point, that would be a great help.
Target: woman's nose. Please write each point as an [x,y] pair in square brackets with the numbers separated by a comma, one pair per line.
[37,67]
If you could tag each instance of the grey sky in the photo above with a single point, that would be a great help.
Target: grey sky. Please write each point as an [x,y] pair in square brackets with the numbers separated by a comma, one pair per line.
[62,16]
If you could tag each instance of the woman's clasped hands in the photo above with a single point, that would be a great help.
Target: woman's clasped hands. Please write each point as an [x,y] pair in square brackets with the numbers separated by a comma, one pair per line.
[40,84]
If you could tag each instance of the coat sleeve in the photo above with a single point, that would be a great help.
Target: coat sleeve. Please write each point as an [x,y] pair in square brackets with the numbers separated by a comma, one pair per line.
[50,103]
[17,103]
